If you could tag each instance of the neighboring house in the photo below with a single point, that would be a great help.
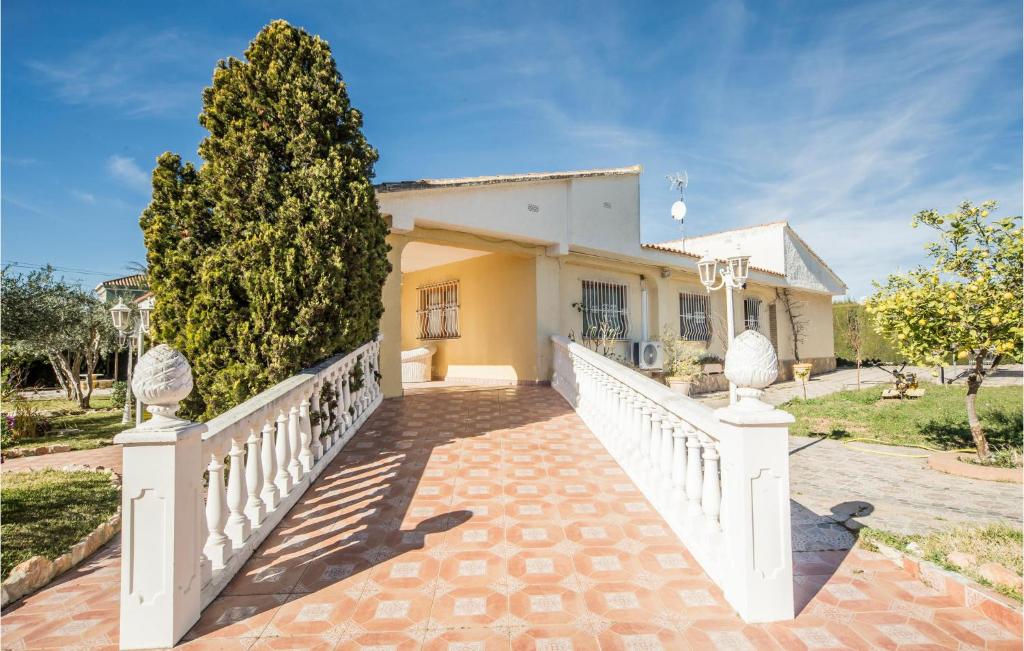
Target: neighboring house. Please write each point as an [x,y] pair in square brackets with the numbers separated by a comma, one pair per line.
[488,268]
[126,288]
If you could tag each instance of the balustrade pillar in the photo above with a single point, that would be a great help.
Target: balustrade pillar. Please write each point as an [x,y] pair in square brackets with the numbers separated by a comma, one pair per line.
[711,494]
[218,547]
[668,425]
[254,506]
[237,527]
[316,429]
[305,438]
[268,453]
[694,480]
[161,509]
[678,469]
[283,479]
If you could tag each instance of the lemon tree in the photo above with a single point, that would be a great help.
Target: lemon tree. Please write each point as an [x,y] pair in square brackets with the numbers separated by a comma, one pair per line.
[968,302]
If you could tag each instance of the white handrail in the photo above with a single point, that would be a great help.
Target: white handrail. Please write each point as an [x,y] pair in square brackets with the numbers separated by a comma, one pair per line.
[720,478]
[184,536]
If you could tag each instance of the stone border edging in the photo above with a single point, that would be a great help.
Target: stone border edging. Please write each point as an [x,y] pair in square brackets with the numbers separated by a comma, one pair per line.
[950,463]
[21,453]
[964,590]
[37,572]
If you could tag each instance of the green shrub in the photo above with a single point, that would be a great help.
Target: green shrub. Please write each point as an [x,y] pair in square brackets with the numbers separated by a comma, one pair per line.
[272,255]
[118,394]
[874,348]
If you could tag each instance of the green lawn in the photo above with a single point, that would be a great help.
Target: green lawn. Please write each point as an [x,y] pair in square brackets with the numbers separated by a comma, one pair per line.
[98,424]
[939,419]
[46,512]
[993,543]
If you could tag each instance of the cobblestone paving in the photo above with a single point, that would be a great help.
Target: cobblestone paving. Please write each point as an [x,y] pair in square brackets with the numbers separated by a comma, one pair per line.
[893,493]
[493,519]
[108,456]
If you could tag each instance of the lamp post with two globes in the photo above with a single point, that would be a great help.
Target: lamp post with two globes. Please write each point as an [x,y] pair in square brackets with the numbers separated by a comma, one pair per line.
[732,275]
[128,326]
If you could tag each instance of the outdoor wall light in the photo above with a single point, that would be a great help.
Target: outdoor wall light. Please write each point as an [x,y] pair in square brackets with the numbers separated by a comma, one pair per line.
[119,316]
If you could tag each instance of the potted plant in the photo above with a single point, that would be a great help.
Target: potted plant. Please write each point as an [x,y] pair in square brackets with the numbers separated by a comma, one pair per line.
[682,365]
[798,330]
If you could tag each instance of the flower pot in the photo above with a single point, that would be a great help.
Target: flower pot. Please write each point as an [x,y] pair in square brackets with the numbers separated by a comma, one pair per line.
[681,386]
[802,371]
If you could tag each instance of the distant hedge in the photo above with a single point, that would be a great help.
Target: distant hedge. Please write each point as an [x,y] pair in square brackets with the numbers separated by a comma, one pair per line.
[875,347]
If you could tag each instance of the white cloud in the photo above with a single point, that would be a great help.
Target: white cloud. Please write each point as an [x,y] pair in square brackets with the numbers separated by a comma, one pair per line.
[84,197]
[137,74]
[126,171]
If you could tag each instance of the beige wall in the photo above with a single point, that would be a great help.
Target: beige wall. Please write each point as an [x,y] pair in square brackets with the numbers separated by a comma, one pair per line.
[497,319]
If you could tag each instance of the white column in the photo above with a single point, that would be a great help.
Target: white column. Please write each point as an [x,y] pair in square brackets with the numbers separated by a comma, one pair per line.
[754,442]
[305,437]
[161,511]
[294,445]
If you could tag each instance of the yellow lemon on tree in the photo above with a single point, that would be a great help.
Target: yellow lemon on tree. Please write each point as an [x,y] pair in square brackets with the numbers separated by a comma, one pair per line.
[962,354]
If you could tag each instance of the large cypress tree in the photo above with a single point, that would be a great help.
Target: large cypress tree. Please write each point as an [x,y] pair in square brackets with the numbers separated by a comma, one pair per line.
[272,255]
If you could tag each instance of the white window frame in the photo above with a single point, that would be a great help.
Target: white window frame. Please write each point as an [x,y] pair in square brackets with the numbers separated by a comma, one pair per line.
[694,317]
[604,301]
[438,310]
[752,313]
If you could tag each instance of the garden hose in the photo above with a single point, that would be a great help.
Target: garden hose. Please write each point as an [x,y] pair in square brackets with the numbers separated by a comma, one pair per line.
[902,445]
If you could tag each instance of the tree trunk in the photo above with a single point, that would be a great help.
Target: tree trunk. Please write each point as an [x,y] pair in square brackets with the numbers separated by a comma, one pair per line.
[858,371]
[59,374]
[974,381]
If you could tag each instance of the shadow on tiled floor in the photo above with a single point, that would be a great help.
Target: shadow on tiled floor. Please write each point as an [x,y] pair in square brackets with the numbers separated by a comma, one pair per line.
[493,519]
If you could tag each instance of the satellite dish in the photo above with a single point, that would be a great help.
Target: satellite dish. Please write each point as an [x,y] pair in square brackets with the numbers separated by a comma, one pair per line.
[678,210]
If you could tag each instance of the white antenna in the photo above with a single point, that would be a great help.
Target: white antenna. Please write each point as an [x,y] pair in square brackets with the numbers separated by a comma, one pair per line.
[679,181]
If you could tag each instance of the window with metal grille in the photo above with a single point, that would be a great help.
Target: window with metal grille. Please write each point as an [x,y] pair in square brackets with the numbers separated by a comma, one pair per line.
[694,317]
[439,310]
[752,314]
[605,313]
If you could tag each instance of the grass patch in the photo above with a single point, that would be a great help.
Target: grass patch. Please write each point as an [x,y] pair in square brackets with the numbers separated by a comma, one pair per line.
[992,543]
[98,424]
[938,419]
[48,511]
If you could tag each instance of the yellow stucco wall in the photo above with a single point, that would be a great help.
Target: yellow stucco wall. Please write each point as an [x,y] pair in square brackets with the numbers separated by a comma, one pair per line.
[497,319]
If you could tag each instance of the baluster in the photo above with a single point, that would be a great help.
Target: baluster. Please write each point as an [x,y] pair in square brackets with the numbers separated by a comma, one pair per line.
[338,420]
[652,424]
[668,424]
[628,421]
[712,494]
[694,481]
[346,415]
[217,547]
[268,451]
[254,507]
[645,439]
[305,437]
[678,469]
[237,527]
[316,430]
[294,445]
[283,479]
[637,431]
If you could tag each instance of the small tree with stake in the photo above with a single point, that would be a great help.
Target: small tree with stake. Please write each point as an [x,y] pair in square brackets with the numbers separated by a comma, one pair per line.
[969,299]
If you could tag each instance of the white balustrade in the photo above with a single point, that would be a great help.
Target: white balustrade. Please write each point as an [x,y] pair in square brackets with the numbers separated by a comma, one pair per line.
[186,529]
[720,478]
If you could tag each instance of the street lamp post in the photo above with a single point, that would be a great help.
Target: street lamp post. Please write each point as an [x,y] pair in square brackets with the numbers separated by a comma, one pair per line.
[731,275]
[127,326]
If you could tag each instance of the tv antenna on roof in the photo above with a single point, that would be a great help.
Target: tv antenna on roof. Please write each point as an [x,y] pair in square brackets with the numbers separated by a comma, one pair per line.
[679,181]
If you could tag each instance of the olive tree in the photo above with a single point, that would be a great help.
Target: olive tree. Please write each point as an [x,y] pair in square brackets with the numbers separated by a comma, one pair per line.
[51,318]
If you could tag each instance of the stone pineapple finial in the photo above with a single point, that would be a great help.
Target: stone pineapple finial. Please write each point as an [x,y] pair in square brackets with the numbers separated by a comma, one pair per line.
[162,379]
[751,364]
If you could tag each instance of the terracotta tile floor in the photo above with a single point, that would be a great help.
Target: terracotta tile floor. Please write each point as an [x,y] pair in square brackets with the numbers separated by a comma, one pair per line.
[492,519]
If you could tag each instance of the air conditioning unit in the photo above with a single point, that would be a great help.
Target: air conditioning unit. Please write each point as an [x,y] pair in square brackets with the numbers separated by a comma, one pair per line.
[648,355]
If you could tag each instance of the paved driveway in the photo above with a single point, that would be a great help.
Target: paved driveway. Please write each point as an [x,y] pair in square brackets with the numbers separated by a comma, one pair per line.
[494,519]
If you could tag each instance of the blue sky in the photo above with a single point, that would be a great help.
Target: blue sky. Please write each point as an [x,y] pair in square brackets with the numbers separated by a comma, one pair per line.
[845,118]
